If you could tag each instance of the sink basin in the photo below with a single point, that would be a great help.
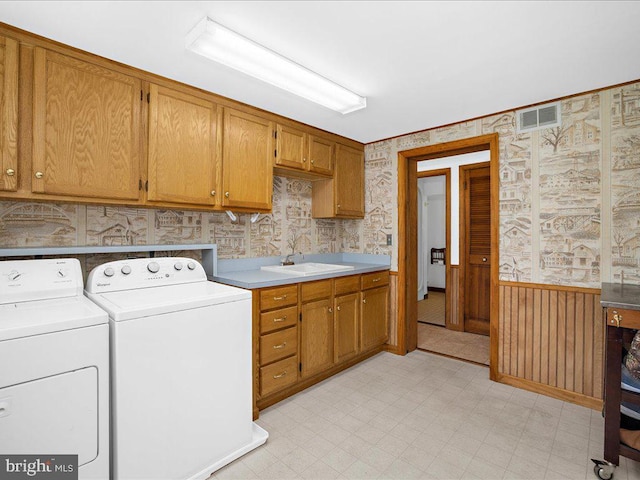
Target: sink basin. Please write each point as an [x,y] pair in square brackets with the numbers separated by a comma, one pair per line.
[304,269]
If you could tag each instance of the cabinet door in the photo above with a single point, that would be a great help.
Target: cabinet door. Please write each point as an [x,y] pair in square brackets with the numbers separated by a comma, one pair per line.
[346,311]
[8,114]
[316,341]
[373,320]
[247,169]
[86,132]
[182,148]
[320,156]
[290,147]
[349,182]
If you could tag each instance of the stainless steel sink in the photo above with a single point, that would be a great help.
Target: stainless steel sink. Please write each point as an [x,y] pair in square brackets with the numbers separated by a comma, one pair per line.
[305,269]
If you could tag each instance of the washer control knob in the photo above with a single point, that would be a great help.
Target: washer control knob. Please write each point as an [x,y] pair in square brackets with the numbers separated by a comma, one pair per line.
[108,272]
[62,273]
[14,275]
[191,266]
[126,269]
[178,266]
[153,267]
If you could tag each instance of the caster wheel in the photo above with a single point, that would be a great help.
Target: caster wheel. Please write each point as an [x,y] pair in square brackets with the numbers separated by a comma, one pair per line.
[602,473]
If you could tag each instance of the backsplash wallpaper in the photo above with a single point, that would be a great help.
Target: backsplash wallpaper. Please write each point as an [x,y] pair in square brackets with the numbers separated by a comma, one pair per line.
[569,203]
[569,196]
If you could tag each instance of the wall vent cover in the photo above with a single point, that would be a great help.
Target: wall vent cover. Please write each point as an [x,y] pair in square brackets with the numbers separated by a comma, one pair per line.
[537,118]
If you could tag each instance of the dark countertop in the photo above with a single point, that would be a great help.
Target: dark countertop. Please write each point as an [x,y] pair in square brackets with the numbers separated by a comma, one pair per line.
[616,295]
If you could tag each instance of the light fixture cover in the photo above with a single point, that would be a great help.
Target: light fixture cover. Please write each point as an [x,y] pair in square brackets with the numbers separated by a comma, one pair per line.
[225,46]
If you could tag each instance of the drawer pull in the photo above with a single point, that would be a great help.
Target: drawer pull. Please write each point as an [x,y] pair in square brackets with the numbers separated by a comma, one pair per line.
[281,319]
[375,280]
[280,375]
[282,345]
[617,318]
[283,297]
[364,300]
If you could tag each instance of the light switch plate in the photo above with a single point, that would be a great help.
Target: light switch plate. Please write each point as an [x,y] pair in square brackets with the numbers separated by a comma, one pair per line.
[389,239]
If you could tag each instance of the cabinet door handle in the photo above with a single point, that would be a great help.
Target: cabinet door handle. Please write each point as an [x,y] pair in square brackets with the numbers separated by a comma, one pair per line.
[330,310]
[226,194]
[282,345]
[304,160]
[281,319]
[280,375]
[213,193]
[283,297]
[312,162]
[338,307]
[364,300]
[10,172]
[39,175]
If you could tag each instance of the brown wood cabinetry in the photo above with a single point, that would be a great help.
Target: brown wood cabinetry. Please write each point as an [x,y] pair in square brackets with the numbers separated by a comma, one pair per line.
[183,153]
[247,170]
[316,327]
[300,152]
[86,129]
[333,332]
[375,304]
[343,195]
[8,114]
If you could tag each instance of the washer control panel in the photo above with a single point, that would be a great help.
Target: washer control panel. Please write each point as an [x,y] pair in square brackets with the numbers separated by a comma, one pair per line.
[25,280]
[144,273]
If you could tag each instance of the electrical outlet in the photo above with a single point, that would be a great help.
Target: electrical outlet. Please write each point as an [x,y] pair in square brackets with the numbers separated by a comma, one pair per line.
[389,239]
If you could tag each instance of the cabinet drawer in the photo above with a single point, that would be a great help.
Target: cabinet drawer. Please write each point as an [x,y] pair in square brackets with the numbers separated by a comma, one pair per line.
[275,346]
[627,318]
[276,319]
[375,279]
[316,290]
[278,297]
[278,375]
[347,284]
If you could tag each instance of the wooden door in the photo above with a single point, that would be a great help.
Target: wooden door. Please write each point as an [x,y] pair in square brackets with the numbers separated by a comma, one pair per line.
[321,153]
[349,178]
[182,148]
[347,317]
[477,258]
[86,132]
[373,318]
[290,147]
[247,169]
[9,114]
[316,339]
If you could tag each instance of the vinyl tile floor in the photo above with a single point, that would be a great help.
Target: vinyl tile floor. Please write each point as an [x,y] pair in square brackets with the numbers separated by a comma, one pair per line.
[424,416]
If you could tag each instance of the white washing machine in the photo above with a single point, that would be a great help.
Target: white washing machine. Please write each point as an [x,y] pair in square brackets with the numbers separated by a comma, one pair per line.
[181,368]
[54,365]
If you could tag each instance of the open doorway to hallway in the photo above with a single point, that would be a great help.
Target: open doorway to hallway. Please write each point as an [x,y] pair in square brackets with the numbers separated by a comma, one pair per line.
[451,235]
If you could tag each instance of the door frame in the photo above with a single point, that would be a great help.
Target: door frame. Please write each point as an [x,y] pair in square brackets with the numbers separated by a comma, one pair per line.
[407,237]
[445,172]
[463,257]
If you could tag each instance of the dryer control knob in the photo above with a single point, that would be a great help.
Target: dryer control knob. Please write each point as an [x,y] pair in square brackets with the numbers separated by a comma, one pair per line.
[126,270]
[178,266]
[108,272]
[191,266]
[153,267]
[14,275]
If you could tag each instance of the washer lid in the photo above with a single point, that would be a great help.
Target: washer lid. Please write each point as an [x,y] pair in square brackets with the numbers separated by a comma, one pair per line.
[24,319]
[145,302]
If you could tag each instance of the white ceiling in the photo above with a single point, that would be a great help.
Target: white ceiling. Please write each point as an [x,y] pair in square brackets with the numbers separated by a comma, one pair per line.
[421,64]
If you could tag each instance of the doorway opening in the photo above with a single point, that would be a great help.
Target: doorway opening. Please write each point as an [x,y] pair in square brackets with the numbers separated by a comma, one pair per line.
[471,237]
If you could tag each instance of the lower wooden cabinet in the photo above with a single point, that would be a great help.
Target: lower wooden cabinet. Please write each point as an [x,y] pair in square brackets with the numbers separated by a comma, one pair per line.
[308,331]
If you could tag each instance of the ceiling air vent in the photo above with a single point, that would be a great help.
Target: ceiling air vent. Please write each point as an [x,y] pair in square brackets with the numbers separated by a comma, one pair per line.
[537,118]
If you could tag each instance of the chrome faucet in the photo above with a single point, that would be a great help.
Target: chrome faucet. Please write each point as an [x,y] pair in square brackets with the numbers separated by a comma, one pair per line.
[287,260]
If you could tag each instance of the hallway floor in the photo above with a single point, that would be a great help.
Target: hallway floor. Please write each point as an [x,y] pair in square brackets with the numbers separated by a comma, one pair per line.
[464,345]
[424,416]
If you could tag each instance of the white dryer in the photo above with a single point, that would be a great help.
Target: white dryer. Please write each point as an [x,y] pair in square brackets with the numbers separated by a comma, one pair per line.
[181,350]
[54,365]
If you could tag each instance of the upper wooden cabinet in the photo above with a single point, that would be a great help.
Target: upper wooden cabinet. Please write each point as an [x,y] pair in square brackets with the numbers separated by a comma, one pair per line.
[183,152]
[343,195]
[8,114]
[86,129]
[299,151]
[247,168]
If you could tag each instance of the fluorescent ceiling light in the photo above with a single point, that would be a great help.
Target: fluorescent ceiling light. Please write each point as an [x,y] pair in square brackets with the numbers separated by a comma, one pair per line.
[225,46]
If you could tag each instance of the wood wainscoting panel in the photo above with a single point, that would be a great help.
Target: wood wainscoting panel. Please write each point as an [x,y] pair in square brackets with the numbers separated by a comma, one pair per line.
[552,336]
[453,318]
